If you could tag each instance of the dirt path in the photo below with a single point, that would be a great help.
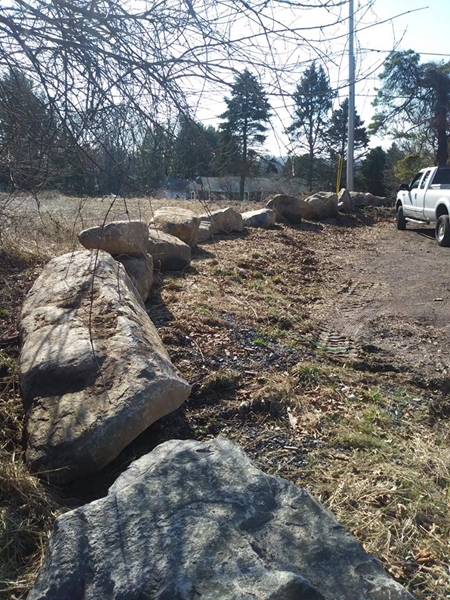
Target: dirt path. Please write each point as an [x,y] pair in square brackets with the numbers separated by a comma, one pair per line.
[388,291]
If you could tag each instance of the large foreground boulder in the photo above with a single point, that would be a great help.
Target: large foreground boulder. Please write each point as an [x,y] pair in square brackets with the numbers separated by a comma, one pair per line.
[264,217]
[94,372]
[288,208]
[118,237]
[225,220]
[199,520]
[179,222]
[169,252]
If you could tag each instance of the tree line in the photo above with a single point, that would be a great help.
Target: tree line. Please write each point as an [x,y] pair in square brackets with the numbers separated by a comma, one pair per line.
[102,147]
[112,82]
[40,150]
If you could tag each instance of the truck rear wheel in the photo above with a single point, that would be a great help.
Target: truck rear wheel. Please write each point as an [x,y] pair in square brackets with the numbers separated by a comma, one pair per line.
[400,219]
[443,230]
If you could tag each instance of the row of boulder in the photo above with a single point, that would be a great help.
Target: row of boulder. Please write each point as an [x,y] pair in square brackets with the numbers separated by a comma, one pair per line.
[94,372]
[190,519]
[166,245]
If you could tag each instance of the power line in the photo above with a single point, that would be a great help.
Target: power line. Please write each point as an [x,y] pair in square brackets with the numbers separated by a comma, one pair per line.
[389,51]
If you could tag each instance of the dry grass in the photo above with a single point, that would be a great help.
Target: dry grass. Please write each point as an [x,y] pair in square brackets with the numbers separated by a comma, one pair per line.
[45,226]
[27,509]
[238,324]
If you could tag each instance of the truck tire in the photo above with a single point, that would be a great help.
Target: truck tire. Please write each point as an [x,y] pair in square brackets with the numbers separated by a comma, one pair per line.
[400,219]
[443,231]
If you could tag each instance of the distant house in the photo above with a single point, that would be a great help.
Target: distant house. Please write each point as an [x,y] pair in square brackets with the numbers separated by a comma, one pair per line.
[225,188]
[172,188]
[256,189]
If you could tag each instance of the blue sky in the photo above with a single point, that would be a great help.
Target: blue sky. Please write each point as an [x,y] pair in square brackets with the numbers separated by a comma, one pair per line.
[425,31]
[381,25]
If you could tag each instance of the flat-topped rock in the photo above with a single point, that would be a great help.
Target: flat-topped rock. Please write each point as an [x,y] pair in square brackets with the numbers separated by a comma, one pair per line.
[225,220]
[322,205]
[118,237]
[264,217]
[363,199]
[288,208]
[179,222]
[169,252]
[204,232]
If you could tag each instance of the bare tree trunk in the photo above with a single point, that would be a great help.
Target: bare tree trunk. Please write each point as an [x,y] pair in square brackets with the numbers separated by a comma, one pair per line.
[244,164]
[310,169]
[441,128]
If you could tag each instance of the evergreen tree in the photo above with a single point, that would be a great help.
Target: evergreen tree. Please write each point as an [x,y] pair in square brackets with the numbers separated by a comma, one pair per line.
[313,99]
[194,149]
[245,124]
[27,133]
[299,167]
[337,135]
[393,175]
[228,156]
[152,158]
[415,96]
[370,174]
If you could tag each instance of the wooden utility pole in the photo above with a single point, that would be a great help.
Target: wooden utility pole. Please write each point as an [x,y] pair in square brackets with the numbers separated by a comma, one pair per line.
[351,99]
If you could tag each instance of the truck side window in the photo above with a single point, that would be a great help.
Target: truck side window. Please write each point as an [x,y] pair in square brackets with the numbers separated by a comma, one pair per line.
[415,182]
[425,179]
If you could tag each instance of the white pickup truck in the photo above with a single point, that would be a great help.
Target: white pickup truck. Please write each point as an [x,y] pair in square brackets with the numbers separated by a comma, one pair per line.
[426,200]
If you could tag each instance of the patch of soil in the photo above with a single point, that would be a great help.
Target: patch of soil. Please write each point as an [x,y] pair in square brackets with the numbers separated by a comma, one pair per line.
[388,289]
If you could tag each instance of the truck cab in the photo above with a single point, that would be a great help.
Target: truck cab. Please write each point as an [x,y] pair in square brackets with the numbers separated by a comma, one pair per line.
[426,200]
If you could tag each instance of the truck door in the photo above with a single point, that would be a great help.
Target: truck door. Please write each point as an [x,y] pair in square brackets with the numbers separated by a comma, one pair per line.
[420,194]
[411,207]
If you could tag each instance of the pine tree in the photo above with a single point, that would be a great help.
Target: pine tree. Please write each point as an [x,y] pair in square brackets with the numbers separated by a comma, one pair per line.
[313,99]
[27,133]
[194,148]
[153,157]
[370,175]
[245,124]
[415,97]
[337,134]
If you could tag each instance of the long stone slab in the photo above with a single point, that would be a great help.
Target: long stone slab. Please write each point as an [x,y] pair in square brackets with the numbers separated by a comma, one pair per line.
[94,372]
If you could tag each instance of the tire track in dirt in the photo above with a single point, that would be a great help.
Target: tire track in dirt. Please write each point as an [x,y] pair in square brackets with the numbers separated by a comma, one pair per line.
[387,295]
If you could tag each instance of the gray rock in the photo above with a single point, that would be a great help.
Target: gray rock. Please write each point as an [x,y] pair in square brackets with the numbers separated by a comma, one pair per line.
[169,253]
[225,220]
[179,222]
[362,199]
[199,520]
[118,237]
[264,217]
[289,208]
[322,205]
[94,372]
[140,270]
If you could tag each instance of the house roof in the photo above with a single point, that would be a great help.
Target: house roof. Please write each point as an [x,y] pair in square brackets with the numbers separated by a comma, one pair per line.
[175,184]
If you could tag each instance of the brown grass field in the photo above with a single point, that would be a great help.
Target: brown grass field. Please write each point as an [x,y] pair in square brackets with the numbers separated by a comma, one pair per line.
[365,437]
